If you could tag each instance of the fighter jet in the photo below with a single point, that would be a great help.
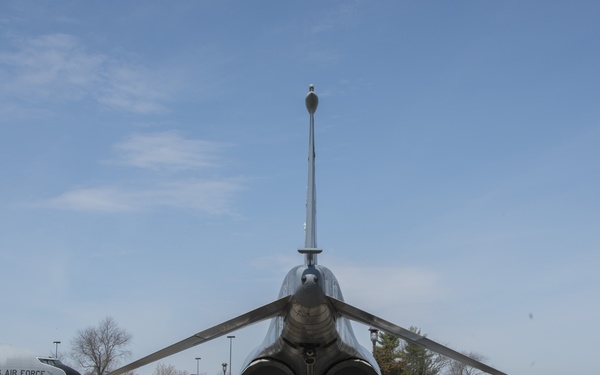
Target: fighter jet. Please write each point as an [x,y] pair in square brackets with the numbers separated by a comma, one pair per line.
[310,331]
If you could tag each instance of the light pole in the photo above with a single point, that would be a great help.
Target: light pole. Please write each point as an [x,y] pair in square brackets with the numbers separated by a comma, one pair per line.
[56,343]
[198,365]
[230,343]
[224,368]
[374,335]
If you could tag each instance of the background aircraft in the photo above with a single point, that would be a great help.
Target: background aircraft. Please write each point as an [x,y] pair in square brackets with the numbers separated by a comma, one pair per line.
[310,332]
[16,361]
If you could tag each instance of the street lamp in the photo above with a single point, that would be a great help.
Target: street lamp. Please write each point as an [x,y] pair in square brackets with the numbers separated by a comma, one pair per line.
[198,365]
[230,343]
[374,335]
[56,343]
[224,368]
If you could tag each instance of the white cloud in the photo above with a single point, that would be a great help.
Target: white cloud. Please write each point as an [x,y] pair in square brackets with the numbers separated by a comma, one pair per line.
[373,288]
[211,197]
[208,196]
[132,88]
[58,67]
[388,287]
[167,150]
[100,199]
[49,67]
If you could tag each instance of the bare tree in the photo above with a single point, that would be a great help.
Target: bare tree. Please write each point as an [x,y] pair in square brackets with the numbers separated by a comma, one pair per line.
[162,369]
[99,349]
[459,368]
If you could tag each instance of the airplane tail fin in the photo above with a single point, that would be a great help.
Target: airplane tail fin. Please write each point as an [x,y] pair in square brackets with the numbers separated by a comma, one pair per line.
[310,250]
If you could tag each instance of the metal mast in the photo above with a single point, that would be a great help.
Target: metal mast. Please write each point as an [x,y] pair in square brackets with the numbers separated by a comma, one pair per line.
[310,242]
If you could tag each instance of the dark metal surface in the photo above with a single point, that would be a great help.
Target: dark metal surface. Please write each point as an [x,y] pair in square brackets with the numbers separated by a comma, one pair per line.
[361,316]
[310,338]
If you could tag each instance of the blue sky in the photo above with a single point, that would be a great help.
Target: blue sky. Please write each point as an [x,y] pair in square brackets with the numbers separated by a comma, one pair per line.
[153,163]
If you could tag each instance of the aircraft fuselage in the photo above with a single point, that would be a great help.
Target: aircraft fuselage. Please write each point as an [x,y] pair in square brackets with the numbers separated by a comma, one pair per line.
[309,337]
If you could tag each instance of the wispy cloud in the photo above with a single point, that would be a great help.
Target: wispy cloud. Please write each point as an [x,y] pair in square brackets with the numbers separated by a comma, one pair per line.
[168,150]
[388,287]
[58,67]
[180,187]
[211,197]
[49,67]
[101,199]
[133,88]
[375,287]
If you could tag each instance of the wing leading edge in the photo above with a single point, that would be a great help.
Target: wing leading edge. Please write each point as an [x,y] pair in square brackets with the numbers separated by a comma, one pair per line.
[361,316]
[267,311]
